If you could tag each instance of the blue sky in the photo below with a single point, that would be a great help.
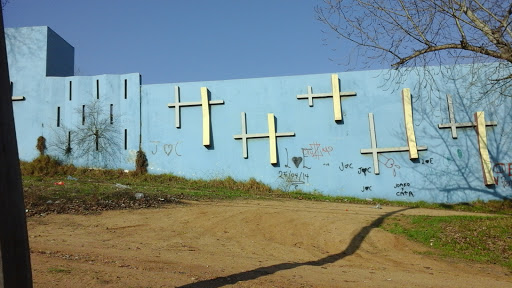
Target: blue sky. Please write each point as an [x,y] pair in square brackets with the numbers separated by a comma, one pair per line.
[187,40]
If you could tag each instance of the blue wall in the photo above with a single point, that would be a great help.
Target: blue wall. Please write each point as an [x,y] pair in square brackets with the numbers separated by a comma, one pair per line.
[323,156]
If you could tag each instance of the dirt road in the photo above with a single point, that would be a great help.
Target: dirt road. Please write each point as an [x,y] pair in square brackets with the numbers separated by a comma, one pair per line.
[288,243]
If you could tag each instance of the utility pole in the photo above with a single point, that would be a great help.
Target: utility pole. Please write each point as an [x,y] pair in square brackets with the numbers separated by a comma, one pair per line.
[14,250]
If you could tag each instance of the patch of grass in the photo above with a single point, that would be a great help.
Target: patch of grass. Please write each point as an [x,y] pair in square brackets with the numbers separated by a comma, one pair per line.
[45,165]
[40,175]
[59,270]
[482,239]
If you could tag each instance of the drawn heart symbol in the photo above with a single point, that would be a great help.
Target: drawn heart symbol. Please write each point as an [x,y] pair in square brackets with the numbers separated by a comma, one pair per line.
[297,161]
[168,147]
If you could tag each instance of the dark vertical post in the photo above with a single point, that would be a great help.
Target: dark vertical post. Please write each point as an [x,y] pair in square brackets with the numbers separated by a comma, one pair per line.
[83,114]
[111,113]
[15,253]
[140,112]
[96,136]
[70,90]
[125,88]
[58,116]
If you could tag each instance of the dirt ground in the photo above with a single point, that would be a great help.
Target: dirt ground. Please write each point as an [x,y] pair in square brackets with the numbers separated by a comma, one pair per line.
[285,243]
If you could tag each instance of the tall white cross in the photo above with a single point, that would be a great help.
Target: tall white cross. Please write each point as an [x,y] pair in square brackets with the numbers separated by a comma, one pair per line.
[412,148]
[480,124]
[375,150]
[453,125]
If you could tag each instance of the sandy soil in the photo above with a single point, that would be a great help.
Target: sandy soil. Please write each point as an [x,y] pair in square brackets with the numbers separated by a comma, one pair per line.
[288,243]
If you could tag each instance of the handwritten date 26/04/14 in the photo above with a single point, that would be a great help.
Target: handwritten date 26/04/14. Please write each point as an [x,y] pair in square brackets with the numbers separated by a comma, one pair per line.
[294,177]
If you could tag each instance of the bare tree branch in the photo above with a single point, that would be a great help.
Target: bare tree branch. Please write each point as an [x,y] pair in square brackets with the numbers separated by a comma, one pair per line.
[97,141]
[404,34]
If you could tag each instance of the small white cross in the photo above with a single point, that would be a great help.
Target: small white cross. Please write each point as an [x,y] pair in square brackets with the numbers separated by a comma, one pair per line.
[375,150]
[453,125]
[335,94]
[272,135]
[205,109]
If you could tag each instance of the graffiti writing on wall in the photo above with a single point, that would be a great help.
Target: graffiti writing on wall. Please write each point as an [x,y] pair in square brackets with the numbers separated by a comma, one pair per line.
[503,168]
[317,151]
[503,181]
[348,166]
[366,189]
[304,157]
[345,166]
[364,170]
[293,178]
[503,172]
[389,163]
[427,161]
[404,189]
[167,149]
[296,161]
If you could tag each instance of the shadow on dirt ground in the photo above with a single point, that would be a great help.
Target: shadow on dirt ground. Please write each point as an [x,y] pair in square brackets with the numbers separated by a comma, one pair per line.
[352,247]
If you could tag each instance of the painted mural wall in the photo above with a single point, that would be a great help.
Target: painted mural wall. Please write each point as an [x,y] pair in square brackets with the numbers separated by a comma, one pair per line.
[342,134]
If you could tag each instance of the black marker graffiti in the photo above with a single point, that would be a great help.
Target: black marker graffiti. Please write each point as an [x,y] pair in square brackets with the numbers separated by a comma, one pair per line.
[344,166]
[364,170]
[401,185]
[366,188]
[405,193]
[402,191]
[297,161]
[294,179]
[427,161]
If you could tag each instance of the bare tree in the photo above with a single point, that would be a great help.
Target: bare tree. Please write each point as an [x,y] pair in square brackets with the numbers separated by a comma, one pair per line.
[412,33]
[59,145]
[95,140]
